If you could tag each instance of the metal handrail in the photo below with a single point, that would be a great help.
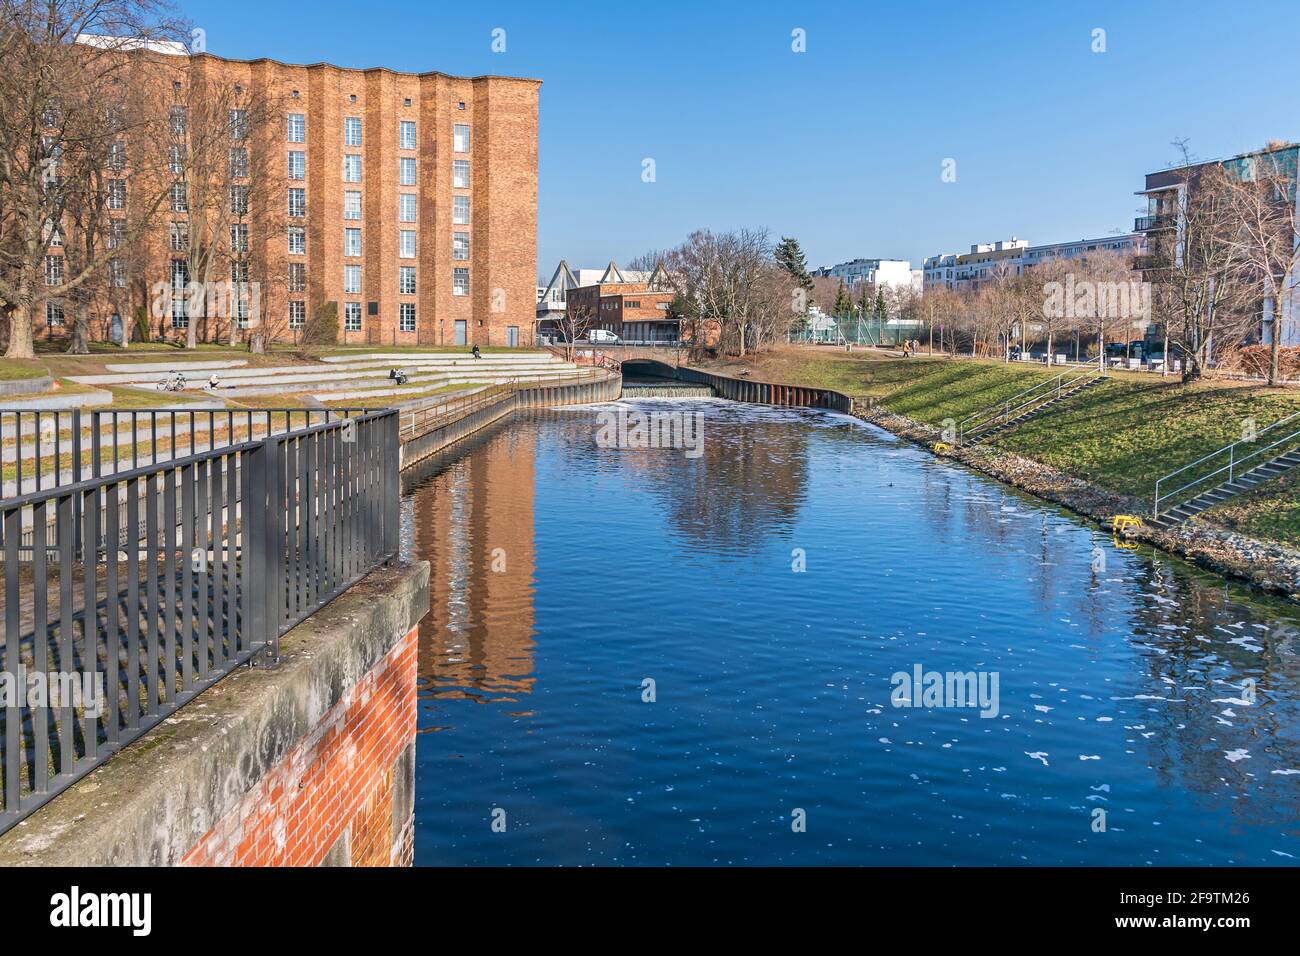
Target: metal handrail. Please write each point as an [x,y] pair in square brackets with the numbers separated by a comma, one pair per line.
[1006,413]
[434,411]
[154,582]
[1232,467]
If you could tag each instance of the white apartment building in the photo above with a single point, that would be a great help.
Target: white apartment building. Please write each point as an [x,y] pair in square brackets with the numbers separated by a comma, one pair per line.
[896,273]
[968,270]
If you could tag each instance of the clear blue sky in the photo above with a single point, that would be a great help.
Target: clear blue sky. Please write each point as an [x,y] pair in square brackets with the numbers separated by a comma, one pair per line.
[842,145]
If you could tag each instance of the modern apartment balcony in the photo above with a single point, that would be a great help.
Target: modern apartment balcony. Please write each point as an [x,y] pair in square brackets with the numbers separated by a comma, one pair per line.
[1151,223]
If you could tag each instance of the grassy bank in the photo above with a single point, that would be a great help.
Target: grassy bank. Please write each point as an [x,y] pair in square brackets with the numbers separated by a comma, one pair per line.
[1121,435]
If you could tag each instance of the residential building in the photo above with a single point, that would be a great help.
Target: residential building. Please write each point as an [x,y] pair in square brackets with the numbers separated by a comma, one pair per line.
[1165,220]
[552,302]
[409,200]
[895,273]
[1013,256]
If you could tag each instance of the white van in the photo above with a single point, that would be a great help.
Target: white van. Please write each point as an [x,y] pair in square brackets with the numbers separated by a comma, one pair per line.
[602,335]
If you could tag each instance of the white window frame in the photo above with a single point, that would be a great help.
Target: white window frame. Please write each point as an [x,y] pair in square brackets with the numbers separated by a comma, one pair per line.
[460,281]
[352,316]
[405,309]
[299,234]
[458,218]
[297,128]
[352,167]
[406,244]
[406,207]
[351,131]
[405,141]
[352,204]
[459,167]
[460,140]
[352,280]
[404,164]
[352,240]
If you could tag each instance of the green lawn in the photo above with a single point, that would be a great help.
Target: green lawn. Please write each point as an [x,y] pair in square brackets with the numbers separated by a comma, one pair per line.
[1121,435]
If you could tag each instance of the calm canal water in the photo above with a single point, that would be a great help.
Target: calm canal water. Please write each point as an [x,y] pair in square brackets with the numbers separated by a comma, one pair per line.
[566,574]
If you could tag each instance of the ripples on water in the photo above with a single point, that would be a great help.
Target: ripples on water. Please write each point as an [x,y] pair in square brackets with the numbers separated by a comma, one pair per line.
[565,574]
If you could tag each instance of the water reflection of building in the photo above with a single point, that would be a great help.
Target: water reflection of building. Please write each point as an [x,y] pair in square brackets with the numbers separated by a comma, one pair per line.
[748,483]
[474,523]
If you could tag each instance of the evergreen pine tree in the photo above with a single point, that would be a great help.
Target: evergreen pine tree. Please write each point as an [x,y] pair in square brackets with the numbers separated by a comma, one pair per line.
[789,256]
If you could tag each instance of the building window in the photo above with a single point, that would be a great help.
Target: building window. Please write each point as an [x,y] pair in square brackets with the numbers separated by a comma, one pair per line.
[460,210]
[116,233]
[297,314]
[50,233]
[175,160]
[180,274]
[239,200]
[53,313]
[406,207]
[352,242]
[178,121]
[352,280]
[351,131]
[297,164]
[406,171]
[460,245]
[351,204]
[54,270]
[178,198]
[239,124]
[460,138]
[117,194]
[297,128]
[352,167]
[297,202]
[406,280]
[117,156]
[297,277]
[407,134]
[406,317]
[297,241]
[460,282]
[239,274]
[406,244]
[180,314]
[352,316]
[460,173]
[239,237]
[238,162]
[117,273]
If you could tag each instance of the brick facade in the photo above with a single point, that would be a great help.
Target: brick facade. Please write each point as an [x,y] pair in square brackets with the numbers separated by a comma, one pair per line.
[494,303]
[344,795]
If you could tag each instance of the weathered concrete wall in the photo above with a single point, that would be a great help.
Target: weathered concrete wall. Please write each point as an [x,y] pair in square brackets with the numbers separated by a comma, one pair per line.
[768,393]
[418,449]
[309,762]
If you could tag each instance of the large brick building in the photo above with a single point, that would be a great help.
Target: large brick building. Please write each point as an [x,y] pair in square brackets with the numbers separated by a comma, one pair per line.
[408,200]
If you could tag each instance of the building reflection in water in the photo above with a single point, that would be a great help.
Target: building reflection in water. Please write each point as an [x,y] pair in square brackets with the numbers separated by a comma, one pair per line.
[473,521]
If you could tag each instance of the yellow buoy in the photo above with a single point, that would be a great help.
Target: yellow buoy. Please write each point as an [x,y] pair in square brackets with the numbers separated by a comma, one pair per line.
[941,448]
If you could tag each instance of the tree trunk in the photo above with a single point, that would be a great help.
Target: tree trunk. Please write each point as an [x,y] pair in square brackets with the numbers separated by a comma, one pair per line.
[80,331]
[1275,351]
[21,345]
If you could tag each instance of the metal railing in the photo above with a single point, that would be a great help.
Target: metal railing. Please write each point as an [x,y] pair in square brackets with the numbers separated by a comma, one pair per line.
[418,418]
[1228,471]
[43,448]
[134,591]
[1021,402]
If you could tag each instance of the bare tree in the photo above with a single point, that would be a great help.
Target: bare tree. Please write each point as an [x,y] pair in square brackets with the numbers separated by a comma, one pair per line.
[1266,238]
[68,91]
[1198,273]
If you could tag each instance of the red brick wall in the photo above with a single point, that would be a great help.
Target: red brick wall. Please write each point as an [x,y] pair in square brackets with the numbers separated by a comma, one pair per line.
[340,789]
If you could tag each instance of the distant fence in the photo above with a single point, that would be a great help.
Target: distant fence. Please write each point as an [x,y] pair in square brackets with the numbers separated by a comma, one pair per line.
[435,425]
[768,393]
[134,591]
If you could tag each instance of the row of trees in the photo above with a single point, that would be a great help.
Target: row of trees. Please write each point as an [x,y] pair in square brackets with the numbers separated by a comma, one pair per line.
[102,141]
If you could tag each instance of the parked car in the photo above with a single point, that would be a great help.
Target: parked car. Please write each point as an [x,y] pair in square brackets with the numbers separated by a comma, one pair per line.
[604,336]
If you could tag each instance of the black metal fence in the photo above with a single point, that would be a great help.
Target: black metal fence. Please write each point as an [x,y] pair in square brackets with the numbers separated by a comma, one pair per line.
[126,594]
[51,447]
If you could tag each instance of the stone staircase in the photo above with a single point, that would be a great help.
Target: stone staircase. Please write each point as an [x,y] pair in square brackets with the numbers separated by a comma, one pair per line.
[1025,405]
